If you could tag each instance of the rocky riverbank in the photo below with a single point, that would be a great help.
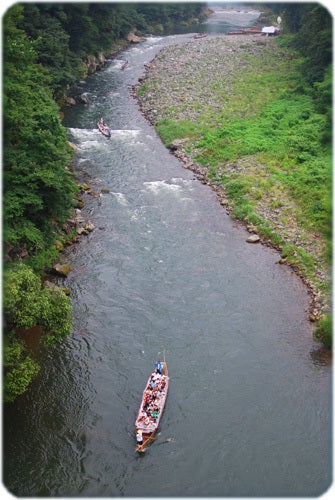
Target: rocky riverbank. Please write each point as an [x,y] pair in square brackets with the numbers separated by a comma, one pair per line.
[193,81]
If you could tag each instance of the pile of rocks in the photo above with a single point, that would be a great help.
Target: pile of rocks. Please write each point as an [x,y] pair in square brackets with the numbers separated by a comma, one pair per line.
[186,80]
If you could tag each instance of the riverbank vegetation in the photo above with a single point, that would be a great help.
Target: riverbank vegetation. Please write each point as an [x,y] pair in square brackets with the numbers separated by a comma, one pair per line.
[46,49]
[261,129]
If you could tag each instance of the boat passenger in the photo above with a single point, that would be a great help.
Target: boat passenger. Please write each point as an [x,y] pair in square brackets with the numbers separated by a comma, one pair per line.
[143,419]
[139,437]
[155,412]
[152,382]
[146,421]
[163,383]
[159,367]
[147,396]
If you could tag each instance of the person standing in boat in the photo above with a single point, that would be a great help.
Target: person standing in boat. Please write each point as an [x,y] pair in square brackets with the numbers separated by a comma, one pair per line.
[159,367]
[139,437]
[152,382]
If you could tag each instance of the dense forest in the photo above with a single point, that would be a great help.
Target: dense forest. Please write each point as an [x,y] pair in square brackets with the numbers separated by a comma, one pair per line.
[45,51]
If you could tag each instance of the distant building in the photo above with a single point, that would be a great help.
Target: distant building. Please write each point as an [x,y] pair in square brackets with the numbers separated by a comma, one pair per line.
[270,30]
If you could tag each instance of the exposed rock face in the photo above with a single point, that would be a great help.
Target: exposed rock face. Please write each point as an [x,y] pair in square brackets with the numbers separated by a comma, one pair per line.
[95,63]
[132,38]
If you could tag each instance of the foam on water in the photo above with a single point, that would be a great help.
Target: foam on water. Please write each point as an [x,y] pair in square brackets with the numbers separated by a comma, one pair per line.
[158,186]
[120,198]
[153,39]
[126,133]
[82,132]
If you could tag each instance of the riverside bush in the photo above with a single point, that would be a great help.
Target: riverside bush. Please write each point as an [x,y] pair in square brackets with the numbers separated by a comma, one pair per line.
[323,331]
[26,304]
[19,367]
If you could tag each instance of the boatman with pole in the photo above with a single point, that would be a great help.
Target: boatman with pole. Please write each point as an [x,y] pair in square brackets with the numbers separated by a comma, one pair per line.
[159,367]
[139,437]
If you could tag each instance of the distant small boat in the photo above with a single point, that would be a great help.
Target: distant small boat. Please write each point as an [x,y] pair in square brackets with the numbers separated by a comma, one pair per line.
[152,405]
[104,129]
[200,35]
[125,65]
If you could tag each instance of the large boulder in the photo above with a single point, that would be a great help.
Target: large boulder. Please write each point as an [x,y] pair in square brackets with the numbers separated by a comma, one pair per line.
[253,238]
[61,269]
[70,101]
[132,38]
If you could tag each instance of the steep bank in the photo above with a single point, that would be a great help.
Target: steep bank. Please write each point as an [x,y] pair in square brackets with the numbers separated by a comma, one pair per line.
[193,83]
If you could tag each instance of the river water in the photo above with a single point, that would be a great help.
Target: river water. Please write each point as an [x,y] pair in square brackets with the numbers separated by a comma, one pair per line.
[248,411]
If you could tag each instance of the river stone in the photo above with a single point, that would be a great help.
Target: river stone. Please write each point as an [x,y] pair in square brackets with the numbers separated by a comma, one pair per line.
[81,230]
[62,269]
[131,37]
[70,101]
[89,226]
[253,238]
[82,98]
[56,288]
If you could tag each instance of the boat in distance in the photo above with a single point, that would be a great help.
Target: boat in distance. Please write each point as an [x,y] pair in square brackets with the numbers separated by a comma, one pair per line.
[104,129]
[197,36]
[152,405]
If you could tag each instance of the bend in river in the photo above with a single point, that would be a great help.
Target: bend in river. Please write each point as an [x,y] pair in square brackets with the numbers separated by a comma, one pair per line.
[248,410]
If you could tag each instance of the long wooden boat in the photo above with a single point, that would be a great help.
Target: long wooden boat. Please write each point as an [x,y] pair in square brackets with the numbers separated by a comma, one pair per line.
[152,406]
[104,129]
[200,35]
[246,31]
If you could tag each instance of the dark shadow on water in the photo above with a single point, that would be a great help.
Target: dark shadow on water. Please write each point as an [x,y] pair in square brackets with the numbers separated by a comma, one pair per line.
[321,356]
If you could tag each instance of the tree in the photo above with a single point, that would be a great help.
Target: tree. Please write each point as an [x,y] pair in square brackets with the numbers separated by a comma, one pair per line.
[26,304]
[19,368]
[314,41]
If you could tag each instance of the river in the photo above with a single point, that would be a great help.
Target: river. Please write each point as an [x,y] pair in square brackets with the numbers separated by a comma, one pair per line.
[248,410]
